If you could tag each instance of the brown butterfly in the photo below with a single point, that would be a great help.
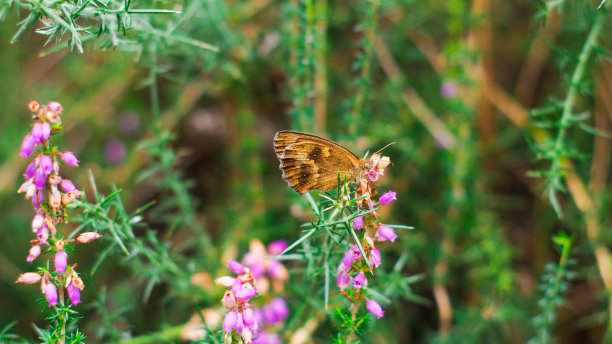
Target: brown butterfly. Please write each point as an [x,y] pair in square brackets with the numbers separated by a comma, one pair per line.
[312,162]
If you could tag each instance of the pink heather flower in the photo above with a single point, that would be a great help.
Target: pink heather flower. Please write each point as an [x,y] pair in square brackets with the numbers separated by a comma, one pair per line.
[70,159]
[29,171]
[225,281]
[254,262]
[46,164]
[54,179]
[37,132]
[87,237]
[27,146]
[236,286]
[40,180]
[74,294]
[51,293]
[375,309]
[55,107]
[236,267]
[375,257]
[67,198]
[372,175]
[277,247]
[34,252]
[343,279]
[248,317]
[228,300]
[61,261]
[46,131]
[356,252]
[269,315]
[239,325]
[67,185]
[37,222]
[359,281]
[280,309]
[348,258]
[43,234]
[264,337]
[29,278]
[276,269]
[448,89]
[386,233]
[37,198]
[358,222]
[229,321]
[55,198]
[114,152]
[245,293]
[387,197]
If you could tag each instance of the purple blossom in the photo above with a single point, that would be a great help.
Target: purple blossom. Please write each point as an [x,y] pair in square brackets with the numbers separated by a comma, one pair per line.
[248,317]
[236,267]
[359,281]
[387,197]
[27,146]
[358,222]
[448,89]
[229,321]
[67,185]
[239,325]
[277,247]
[30,170]
[114,152]
[386,233]
[280,309]
[51,293]
[373,175]
[348,259]
[275,268]
[375,309]
[61,261]
[343,279]
[356,252]
[40,180]
[236,286]
[264,337]
[253,262]
[228,300]
[70,159]
[375,257]
[269,315]
[46,164]
[37,132]
[46,131]
[74,294]
[245,293]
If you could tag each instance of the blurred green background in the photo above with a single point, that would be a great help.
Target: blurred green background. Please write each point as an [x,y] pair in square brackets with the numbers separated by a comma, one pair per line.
[191,130]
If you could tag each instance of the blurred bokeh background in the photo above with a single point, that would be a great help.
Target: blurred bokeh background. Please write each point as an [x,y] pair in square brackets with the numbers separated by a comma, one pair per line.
[453,83]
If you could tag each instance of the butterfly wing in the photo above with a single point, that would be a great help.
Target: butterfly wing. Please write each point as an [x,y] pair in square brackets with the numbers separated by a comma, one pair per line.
[284,138]
[314,165]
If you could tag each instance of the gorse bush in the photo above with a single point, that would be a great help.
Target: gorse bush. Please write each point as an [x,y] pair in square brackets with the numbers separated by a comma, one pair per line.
[486,222]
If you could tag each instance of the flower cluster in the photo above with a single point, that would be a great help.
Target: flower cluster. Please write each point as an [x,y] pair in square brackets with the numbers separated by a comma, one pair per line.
[43,179]
[353,268]
[257,274]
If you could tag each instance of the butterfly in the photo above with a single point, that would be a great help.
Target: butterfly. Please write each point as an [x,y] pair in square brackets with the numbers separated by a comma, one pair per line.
[312,162]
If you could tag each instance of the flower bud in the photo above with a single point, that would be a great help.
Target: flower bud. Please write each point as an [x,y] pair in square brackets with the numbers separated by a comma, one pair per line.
[239,325]
[46,131]
[375,257]
[386,233]
[34,252]
[55,107]
[30,169]
[229,321]
[87,237]
[69,197]
[54,179]
[248,316]
[74,294]
[236,267]
[77,281]
[55,197]
[375,309]
[29,278]
[359,281]
[387,197]
[61,261]
[34,106]
[43,234]
[68,186]
[46,164]
[225,281]
[37,132]
[70,158]
[27,146]
[37,222]
[50,293]
[277,247]
[343,279]
[228,300]
[358,222]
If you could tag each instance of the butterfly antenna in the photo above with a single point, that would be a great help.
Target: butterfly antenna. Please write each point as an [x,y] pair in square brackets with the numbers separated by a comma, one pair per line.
[380,150]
